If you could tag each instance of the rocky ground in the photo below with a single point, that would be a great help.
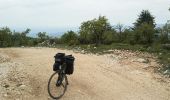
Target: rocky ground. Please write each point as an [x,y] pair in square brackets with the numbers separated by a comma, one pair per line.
[119,75]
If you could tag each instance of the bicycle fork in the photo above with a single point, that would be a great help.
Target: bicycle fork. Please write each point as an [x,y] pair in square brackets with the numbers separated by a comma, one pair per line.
[60,79]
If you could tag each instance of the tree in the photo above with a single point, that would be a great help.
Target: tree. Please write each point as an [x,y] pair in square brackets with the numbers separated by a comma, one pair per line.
[70,38]
[24,39]
[145,17]
[16,38]
[21,38]
[24,33]
[109,37]
[5,37]
[144,28]
[99,27]
[9,38]
[144,33]
[94,30]
[128,36]
[42,36]
[85,33]
[120,32]
[57,40]
[165,30]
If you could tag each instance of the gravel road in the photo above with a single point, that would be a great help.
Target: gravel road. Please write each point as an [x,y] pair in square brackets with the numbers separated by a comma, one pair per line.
[120,75]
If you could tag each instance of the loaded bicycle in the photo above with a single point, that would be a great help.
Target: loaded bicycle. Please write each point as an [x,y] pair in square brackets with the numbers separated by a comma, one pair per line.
[63,66]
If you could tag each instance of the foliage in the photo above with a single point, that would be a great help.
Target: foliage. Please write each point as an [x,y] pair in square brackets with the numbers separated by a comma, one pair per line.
[129,36]
[144,34]
[42,36]
[57,40]
[109,37]
[164,31]
[9,38]
[92,31]
[85,33]
[145,17]
[120,32]
[70,38]
[5,37]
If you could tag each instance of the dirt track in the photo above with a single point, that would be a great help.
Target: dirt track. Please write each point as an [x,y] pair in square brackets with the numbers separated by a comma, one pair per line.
[25,73]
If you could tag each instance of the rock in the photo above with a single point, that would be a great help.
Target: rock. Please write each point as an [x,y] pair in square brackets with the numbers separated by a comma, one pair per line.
[160,54]
[88,46]
[4,58]
[141,60]
[125,57]
[30,91]
[23,87]
[6,86]
[166,72]
[110,50]
[82,51]
[49,98]
[5,95]
[18,84]
[146,67]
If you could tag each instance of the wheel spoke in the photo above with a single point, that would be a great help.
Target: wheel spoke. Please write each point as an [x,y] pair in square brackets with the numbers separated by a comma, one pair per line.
[63,85]
[54,91]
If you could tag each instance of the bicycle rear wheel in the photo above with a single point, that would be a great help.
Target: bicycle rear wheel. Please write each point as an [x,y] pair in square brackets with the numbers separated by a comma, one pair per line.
[54,91]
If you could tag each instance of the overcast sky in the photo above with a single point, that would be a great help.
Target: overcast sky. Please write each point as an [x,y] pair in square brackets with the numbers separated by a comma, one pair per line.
[58,15]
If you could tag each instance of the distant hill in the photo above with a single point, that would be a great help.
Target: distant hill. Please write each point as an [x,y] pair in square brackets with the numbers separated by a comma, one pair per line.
[57,32]
[53,32]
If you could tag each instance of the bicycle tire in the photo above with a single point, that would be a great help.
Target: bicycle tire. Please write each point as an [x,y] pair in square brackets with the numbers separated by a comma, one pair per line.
[64,85]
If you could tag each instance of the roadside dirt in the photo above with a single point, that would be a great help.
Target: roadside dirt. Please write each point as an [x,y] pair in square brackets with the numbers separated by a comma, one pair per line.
[120,75]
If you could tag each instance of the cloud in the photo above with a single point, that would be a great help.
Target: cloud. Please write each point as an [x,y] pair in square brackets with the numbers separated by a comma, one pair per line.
[70,13]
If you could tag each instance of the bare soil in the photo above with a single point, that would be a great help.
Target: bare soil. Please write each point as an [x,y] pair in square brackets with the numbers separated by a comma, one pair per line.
[120,75]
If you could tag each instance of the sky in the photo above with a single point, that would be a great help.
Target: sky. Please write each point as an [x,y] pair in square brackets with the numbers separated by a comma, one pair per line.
[56,16]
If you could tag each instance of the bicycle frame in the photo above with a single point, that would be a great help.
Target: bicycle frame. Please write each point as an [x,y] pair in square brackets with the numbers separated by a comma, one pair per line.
[61,74]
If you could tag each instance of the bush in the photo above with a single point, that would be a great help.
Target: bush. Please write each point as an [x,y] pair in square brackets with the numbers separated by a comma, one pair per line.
[166,46]
[108,37]
[70,38]
[5,37]
[144,34]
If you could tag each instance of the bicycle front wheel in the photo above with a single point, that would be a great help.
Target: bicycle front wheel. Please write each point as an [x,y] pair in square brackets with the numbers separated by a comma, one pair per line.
[57,91]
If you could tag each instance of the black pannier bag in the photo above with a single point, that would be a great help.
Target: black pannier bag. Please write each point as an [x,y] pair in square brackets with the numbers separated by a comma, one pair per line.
[69,64]
[59,59]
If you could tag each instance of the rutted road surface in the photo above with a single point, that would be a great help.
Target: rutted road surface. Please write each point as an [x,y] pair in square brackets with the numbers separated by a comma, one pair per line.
[121,75]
